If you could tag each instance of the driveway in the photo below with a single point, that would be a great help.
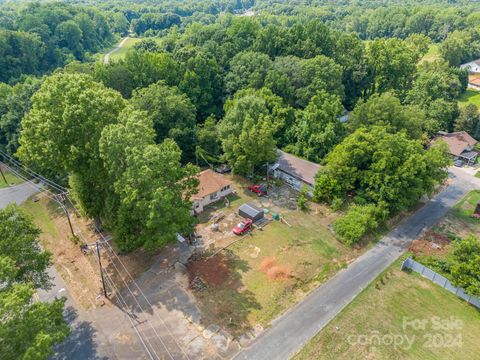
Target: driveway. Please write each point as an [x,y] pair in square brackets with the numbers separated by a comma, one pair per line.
[293,329]
[106,58]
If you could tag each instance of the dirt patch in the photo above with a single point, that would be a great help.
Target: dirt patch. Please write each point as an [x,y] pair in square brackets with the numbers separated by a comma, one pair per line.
[213,271]
[272,270]
[432,243]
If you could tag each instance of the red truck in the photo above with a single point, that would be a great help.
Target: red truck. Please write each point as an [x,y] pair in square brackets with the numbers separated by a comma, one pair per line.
[260,189]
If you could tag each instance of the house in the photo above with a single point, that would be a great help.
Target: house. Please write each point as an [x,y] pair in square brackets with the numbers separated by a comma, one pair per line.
[460,146]
[472,67]
[474,81]
[295,171]
[212,187]
[250,211]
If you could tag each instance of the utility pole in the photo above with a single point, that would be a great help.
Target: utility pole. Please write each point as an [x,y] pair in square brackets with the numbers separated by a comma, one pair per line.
[64,207]
[3,175]
[101,270]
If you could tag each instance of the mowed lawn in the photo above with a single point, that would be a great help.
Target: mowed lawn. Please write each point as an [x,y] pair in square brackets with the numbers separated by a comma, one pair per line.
[469,97]
[305,253]
[11,180]
[384,309]
[129,44]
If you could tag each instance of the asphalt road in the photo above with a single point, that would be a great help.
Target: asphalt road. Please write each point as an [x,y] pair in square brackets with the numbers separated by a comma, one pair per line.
[293,329]
[16,194]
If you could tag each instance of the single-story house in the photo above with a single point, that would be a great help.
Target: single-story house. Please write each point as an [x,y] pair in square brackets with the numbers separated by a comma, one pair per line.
[250,211]
[295,171]
[472,66]
[212,187]
[460,146]
[474,81]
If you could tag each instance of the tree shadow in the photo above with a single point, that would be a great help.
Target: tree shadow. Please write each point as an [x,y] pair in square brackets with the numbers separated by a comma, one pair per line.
[81,342]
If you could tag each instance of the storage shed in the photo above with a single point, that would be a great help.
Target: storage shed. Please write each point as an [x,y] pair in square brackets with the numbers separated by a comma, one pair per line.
[250,211]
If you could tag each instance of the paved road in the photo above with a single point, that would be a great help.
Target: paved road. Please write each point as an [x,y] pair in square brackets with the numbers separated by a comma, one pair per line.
[293,329]
[106,58]
[16,194]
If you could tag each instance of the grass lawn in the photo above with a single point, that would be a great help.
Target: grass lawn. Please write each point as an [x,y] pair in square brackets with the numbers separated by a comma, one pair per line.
[120,54]
[11,179]
[272,268]
[469,97]
[382,308]
[465,207]
[432,54]
[477,174]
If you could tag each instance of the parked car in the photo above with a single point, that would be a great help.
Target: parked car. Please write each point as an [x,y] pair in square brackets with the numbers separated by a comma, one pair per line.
[243,227]
[223,169]
[458,163]
[260,189]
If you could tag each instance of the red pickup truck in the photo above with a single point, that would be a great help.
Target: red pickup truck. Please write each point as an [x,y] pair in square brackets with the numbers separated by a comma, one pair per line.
[260,189]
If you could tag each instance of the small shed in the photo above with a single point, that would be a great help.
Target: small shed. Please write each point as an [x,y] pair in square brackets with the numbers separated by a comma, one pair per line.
[250,211]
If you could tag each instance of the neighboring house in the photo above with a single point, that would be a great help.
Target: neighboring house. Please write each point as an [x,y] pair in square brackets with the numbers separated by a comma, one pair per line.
[295,171]
[472,67]
[212,187]
[474,81]
[460,146]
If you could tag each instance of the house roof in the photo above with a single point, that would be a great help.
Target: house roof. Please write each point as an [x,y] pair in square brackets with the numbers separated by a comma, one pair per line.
[301,169]
[474,80]
[458,142]
[210,182]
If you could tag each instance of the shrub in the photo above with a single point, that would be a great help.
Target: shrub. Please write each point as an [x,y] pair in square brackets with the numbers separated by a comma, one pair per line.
[303,199]
[358,221]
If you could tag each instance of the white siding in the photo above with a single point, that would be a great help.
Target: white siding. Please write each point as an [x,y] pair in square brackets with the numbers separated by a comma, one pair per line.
[292,181]
[199,205]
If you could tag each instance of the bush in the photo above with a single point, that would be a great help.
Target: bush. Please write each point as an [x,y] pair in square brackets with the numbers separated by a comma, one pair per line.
[358,221]
[303,199]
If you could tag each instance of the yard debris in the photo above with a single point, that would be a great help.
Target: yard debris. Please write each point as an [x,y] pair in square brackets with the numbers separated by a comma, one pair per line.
[274,271]
[197,284]
[212,271]
[431,243]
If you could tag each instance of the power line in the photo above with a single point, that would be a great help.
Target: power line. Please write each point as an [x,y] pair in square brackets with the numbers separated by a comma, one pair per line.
[63,194]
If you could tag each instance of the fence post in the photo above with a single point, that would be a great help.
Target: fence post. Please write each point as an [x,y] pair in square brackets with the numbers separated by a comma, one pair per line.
[434,275]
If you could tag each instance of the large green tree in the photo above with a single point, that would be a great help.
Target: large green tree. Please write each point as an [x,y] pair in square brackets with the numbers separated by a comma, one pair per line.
[379,167]
[151,187]
[172,114]
[28,329]
[464,265]
[61,132]
[317,128]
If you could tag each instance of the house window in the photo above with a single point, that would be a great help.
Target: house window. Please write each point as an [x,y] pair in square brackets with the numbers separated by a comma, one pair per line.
[197,205]
[213,196]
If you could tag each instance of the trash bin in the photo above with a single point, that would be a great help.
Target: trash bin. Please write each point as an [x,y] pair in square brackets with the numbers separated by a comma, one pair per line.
[275,216]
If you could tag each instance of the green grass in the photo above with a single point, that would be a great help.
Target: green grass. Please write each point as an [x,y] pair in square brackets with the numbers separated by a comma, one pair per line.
[41,212]
[120,54]
[382,308]
[11,180]
[463,210]
[469,97]
[307,250]
[432,54]
[477,174]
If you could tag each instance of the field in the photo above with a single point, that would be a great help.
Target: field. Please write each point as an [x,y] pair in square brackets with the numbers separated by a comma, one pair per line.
[259,276]
[469,97]
[11,180]
[432,54]
[385,308]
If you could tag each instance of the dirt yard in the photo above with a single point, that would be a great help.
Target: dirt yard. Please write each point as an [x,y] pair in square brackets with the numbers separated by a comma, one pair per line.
[255,277]
[79,269]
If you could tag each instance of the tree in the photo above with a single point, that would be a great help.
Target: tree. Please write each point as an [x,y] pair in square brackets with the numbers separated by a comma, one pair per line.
[69,35]
[357,222]
[208,138]
[247,70]
[254,147]
[28,329]
[202,83]
[393,63]
[16,103]
[469,121]
[317,128]
[390,170]
[19,244]
[464,265]
[172,114]
[386,110]
[60,133]
[152,187]
[149,45]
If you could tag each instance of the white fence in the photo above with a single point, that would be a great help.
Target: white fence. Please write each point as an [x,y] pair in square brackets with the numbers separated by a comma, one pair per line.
[440,280]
